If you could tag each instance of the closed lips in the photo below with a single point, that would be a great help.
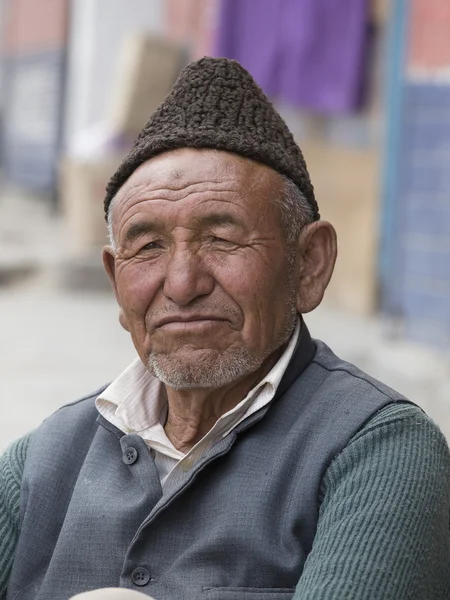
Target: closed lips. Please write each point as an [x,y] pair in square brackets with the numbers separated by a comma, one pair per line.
[187,319]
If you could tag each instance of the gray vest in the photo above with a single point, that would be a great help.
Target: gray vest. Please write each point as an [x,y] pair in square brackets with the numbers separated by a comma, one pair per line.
[239,525]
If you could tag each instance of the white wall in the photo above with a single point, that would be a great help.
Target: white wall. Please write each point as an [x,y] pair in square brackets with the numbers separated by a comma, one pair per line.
[97,30]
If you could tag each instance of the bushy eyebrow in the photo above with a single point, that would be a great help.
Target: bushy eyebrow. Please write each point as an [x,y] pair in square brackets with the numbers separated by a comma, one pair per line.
[137,230]
[220,219]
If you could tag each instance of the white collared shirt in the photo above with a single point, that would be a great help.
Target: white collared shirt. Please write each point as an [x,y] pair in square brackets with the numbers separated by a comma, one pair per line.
[136,402]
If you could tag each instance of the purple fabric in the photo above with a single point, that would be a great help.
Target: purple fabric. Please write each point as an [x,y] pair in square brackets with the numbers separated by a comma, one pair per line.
[308,53]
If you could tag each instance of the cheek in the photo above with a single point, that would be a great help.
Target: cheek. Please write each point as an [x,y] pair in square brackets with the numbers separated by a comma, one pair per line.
[260,290]
[136,288]
[276,300]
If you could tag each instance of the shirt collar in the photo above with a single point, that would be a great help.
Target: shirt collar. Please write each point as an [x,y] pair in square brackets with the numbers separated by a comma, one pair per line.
[136,401]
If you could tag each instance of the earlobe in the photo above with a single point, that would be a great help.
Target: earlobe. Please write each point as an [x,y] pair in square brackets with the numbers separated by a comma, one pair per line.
[317,252]
[123,320]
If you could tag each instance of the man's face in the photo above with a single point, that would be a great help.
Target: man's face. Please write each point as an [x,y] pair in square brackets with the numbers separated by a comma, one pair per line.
[201,270]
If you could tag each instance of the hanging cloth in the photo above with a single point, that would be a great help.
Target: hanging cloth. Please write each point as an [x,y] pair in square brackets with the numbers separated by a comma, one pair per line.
[308,53]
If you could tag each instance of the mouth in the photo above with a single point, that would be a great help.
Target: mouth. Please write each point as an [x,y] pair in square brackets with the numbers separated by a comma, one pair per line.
[188,323]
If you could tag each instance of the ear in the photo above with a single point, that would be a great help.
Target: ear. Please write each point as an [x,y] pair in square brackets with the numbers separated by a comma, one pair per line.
[109,264]
[316,256]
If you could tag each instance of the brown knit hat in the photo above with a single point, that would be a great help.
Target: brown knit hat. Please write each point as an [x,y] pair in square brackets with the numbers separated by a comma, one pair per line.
[215,103]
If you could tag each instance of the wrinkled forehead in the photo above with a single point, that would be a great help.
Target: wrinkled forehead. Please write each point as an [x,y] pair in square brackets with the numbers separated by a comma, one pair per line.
[215,169]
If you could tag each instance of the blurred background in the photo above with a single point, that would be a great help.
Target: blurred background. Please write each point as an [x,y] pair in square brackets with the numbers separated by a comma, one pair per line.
[363,84]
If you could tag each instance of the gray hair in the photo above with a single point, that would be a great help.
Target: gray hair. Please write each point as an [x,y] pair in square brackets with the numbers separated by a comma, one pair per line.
[296,212]
[109,225]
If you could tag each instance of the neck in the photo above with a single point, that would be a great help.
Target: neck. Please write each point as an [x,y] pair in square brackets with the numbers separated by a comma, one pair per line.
[193,412]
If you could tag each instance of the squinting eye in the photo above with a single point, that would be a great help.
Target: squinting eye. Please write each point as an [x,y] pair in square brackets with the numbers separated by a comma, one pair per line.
[220,240]
[151,246]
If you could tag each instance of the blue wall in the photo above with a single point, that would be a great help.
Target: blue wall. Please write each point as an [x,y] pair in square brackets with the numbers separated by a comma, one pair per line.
[34,87]
[415,244]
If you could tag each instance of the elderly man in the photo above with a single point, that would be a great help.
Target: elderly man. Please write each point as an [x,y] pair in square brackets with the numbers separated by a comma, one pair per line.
[236,458]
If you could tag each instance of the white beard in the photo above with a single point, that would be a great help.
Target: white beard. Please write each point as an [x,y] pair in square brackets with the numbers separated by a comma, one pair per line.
[212,371]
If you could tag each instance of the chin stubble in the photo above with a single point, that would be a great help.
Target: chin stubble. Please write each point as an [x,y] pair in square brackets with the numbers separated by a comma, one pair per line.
[218,369]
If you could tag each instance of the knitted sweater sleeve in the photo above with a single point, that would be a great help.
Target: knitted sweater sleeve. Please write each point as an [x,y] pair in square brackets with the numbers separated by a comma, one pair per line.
[11,468]
[383,531]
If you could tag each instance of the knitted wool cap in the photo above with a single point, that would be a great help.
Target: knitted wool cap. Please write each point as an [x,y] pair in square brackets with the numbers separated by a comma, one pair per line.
[215,103]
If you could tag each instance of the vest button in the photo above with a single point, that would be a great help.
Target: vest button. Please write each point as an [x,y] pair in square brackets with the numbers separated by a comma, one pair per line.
[140,576]
[130,455]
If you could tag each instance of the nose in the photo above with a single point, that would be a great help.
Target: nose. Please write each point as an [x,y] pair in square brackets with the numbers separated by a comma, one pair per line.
[186,278]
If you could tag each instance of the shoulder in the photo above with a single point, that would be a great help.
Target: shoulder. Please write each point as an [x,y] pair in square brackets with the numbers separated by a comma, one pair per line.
[14,458]
[346,378]
[399,448]
[73,415]
[12,463]
[81,405]
[404,421]
[65,434]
